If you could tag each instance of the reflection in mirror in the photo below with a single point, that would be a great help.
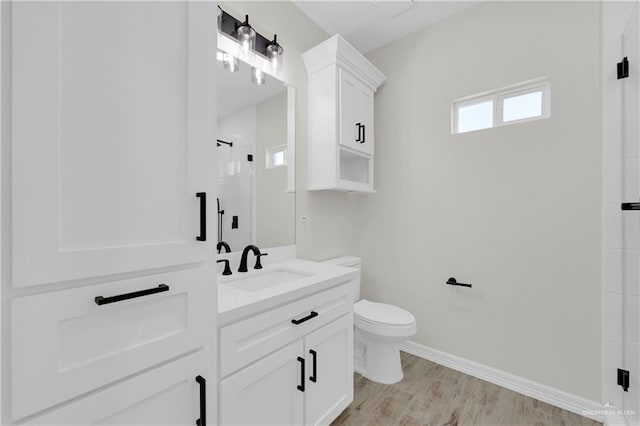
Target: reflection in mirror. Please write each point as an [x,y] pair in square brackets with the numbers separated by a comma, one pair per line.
[254,205]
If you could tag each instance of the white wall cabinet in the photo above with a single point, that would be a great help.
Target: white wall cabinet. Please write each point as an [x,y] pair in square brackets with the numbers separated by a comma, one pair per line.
[109,137]
[342,84]
[112,127]
[307,381]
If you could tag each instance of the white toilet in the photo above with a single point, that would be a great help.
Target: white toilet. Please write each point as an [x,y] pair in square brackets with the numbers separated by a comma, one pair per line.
[379,331]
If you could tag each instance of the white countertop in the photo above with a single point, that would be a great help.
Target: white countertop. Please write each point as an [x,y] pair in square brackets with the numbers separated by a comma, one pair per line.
[235,304]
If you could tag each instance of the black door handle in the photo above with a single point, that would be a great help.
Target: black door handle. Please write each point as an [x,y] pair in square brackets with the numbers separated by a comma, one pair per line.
[203,216]
[313,314]
[630,206]
[364,135]
[359,137]
[314,375]
[202,421]
[100,300]
[301,385]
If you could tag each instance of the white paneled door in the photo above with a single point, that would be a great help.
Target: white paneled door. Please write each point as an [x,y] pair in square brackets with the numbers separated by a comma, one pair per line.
[109,138]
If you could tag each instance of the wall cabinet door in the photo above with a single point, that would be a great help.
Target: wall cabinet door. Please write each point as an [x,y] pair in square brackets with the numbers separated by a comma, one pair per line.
[356,113]
[266,392]
[329,355]
[64,344]
[168,395]
[110,113]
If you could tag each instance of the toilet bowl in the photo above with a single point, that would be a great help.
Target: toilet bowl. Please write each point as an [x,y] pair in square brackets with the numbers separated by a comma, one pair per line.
[379,329]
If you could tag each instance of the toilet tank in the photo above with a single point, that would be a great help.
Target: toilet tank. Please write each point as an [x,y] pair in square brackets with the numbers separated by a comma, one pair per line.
[350,262]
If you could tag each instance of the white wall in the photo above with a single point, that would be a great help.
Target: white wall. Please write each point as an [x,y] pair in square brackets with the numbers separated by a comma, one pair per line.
[275,208]
[235,176]
[514,210]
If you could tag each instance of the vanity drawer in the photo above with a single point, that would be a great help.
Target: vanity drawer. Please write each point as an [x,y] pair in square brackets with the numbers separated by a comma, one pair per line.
[167,395]
[64,344]
[250,339]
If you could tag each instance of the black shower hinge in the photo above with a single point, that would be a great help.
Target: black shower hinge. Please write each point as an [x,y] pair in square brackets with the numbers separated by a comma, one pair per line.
[623,379]
[623,68]
[249,157]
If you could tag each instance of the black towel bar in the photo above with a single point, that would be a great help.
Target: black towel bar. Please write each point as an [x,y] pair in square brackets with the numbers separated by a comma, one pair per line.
[453,281]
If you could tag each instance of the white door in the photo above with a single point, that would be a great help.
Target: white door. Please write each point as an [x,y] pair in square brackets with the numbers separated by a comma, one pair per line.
[356,113]
[348,115]
[267,392]
[364,100]
[329,355]
[169,395]
[627,311]
[110,126]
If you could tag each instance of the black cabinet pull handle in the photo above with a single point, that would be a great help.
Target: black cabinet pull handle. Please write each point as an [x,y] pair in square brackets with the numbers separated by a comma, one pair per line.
[630,206]
[301,385]
[100,300]
[314,375]
[202,421]
[203,216]
[364,135]
[453,281]
[359,137]
[313,314]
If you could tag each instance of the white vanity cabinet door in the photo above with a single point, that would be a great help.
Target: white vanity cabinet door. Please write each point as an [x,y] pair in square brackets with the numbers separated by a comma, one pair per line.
[331,347]
[168,395]
[63,344]
[356,113]
[110,113]
[266,392]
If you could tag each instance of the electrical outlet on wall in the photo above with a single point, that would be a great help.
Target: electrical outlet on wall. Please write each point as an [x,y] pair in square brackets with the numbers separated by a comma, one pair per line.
[303,224]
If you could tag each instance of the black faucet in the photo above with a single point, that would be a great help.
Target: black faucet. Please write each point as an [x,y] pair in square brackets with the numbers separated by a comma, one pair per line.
[245,255]
[224,245]
[227,269]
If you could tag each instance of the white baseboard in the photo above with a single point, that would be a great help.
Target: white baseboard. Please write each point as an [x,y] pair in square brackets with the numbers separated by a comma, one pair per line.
[543,393]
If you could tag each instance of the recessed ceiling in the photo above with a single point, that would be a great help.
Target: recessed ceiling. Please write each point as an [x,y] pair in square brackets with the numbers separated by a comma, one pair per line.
[368,25]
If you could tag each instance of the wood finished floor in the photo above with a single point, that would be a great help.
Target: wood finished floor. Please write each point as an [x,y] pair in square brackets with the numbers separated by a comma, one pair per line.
[431,394]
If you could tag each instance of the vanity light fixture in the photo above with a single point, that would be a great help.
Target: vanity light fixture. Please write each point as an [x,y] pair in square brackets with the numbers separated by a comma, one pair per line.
[251,42]
[274,54]
[230,62]
[257,76]
[246,38]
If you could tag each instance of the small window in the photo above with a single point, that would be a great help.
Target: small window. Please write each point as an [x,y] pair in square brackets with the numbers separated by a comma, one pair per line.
[522,102]
[475,116]
[276,156]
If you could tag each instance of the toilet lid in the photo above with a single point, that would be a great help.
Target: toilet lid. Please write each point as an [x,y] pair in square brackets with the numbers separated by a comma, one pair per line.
[381,313]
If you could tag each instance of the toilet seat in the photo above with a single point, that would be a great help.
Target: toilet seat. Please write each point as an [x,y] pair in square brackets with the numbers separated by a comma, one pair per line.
[382,314]
[383,320]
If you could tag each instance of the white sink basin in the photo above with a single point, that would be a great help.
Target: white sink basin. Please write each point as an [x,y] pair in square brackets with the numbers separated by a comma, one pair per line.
[265,279]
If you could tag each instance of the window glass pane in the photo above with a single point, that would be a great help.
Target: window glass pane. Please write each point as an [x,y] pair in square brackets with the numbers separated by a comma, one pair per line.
[475,117]
[278,158]
[523,106]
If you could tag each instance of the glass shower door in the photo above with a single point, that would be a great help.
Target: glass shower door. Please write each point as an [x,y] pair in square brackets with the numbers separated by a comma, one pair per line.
[628,317]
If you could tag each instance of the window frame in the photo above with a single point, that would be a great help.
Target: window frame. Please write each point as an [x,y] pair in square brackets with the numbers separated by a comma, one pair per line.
[497,97]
